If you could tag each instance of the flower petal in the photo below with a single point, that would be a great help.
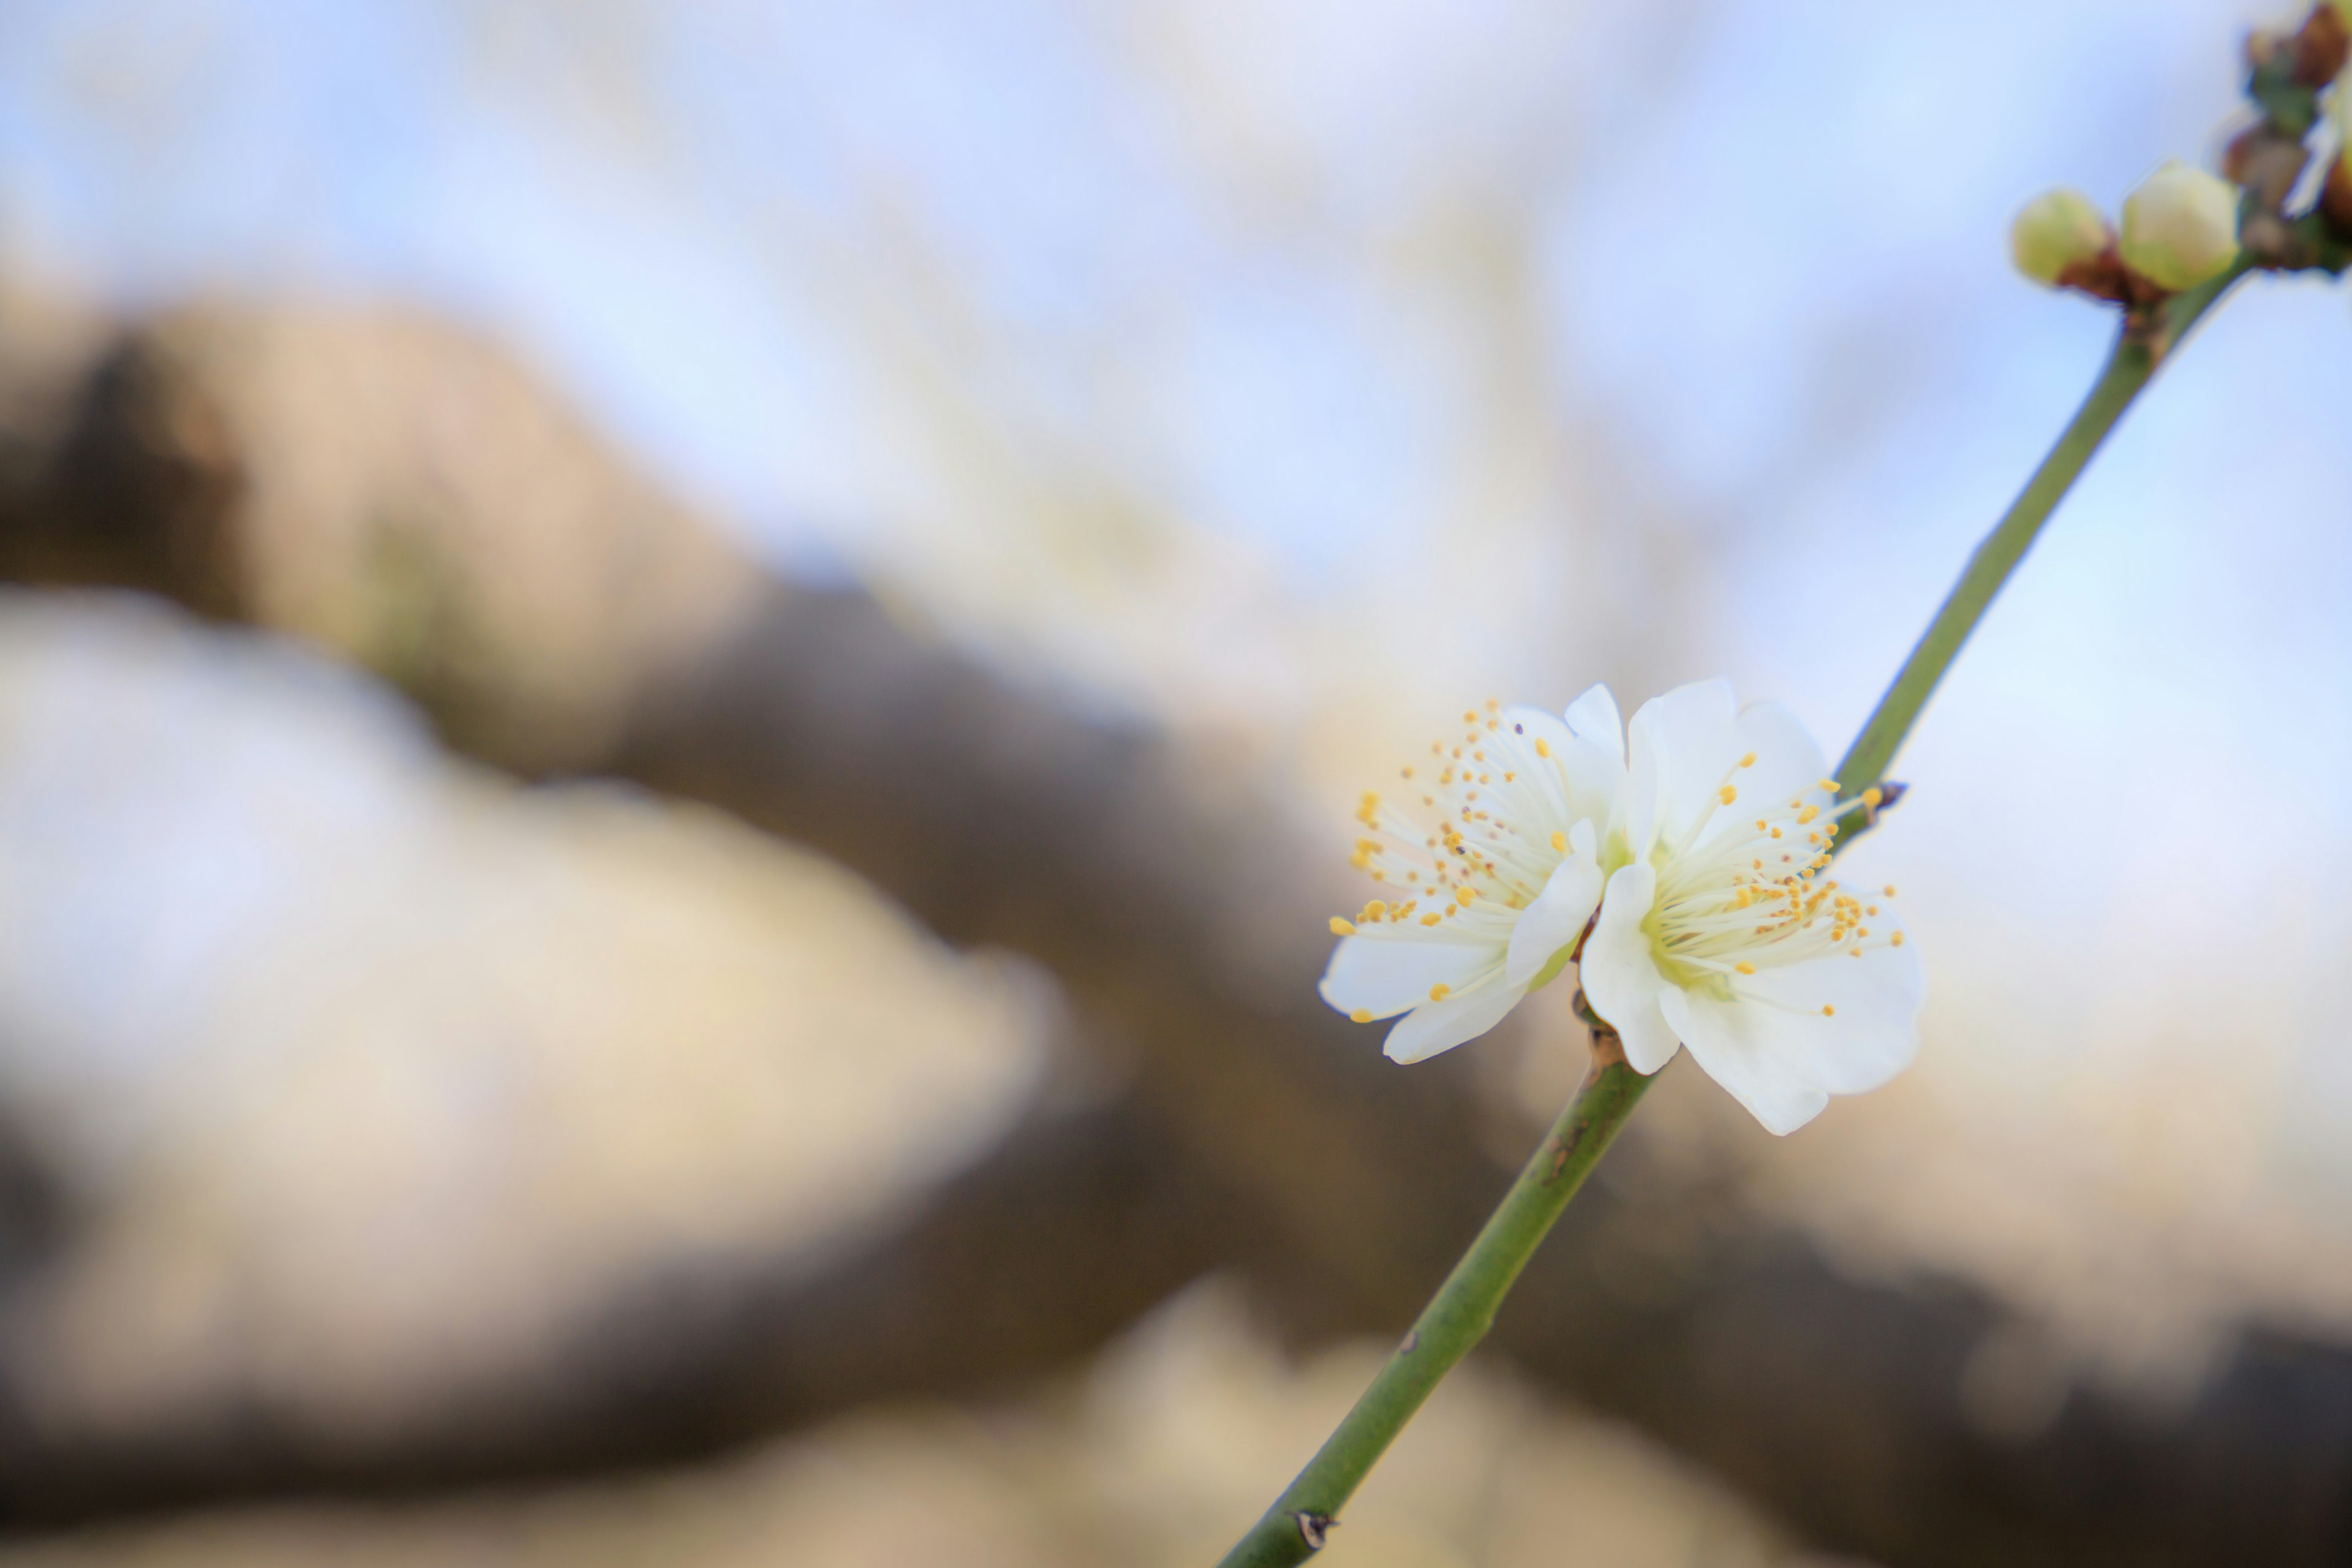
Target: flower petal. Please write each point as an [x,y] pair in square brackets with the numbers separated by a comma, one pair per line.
[1727,1038]
[1788,760]
[1385,976]
[1592,773]
[1620,977]
[1683,745]
[1871,1036]
[1559,913]
[1593,717]
[1437,1026]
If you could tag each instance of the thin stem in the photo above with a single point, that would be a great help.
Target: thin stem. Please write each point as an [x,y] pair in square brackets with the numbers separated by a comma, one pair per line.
[2137,355]
[1294,1528]
[1457,1317]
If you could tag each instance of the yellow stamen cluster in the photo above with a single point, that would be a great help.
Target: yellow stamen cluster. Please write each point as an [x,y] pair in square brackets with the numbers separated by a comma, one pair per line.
[1479,842]
[1732,902]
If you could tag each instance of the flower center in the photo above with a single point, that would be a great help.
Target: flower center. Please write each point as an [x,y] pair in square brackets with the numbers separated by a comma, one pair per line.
[1483,824]
[1745,888]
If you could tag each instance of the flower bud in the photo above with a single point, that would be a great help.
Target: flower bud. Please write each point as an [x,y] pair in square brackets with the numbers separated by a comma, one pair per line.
[2056,230]
[2180,228]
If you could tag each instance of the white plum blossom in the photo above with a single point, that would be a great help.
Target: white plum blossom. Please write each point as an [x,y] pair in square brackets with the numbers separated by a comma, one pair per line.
[1685,874]
[1489,870]
[1720,930]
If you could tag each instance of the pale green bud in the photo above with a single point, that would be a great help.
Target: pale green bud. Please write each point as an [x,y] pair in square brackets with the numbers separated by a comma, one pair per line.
[2056,230]
[2180,228]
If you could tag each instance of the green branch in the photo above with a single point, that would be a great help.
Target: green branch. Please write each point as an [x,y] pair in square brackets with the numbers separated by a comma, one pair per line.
[1456,1319]
[1294,1528]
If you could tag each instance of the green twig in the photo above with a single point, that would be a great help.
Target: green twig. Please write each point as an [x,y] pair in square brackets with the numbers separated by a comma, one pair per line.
[1294,1528]
[1456,1319]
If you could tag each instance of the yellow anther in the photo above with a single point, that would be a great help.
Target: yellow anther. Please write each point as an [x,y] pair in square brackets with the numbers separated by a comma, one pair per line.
[1509,777]
[1341,926]
[1828,1011]
[1374,910]
[1749,760]
[1439,992]
[1828,784]
[1359,1016]
[1872,796]
[1807,814]
[1429,919]
[1560,843]
[1742,899]
[1726,794]
[1870,911]
[1896,940]
[1468,717]
[1776,832]
[1855,951]
[1744,968]
[1890,889]
[1494,705]
[1408,772]
[1464,895]
[1543,747]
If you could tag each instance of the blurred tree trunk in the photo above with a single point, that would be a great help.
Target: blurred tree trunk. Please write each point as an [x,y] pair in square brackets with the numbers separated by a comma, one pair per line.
[1253,1129]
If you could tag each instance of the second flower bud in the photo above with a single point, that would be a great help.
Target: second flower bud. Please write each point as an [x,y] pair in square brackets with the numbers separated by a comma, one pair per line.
[2180,228]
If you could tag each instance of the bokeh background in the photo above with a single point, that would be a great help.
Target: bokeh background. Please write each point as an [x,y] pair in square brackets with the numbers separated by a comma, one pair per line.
[680,708]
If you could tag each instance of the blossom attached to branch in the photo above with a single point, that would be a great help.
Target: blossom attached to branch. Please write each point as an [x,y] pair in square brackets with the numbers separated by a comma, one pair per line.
[1489,869]
[1721,931]
[1686,872]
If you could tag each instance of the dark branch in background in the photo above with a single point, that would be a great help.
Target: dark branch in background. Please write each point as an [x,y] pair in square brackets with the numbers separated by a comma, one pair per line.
[1257,1131]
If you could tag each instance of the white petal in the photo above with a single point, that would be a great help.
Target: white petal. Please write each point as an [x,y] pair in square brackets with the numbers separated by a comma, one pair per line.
[1874,1032]
[1620,977]
[1385,976]
[1725,1039]
[1593,717]
[1592,774]
[1788,760]
[1437,1026]
[1682,748]
[1559,913]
